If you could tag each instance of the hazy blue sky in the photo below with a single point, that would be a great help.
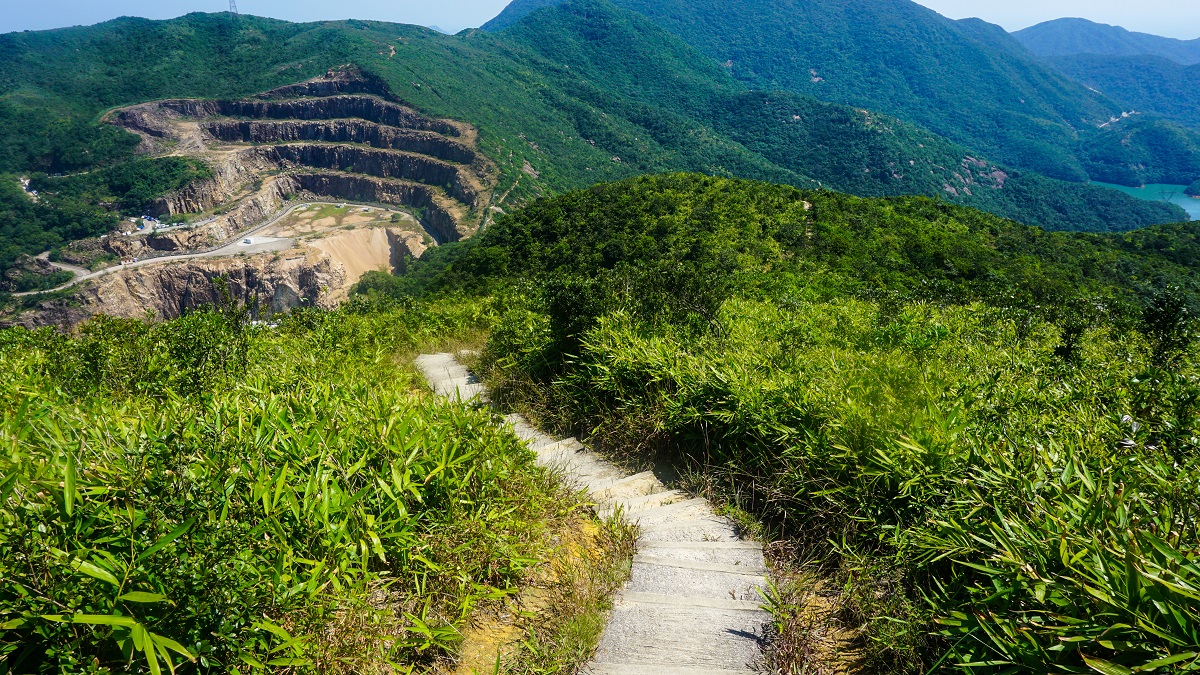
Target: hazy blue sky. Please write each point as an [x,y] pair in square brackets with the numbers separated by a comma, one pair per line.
[1176,18]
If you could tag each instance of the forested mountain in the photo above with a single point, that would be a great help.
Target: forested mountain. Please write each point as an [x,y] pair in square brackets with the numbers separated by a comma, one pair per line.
[1150,74]
[1069,37]
[581,93]
[1149,84]
[966,80]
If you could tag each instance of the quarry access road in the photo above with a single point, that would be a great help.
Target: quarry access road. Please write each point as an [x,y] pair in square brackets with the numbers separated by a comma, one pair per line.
[230,249]
[692,604]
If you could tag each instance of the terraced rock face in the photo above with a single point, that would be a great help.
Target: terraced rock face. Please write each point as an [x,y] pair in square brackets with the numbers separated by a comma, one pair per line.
[337,137]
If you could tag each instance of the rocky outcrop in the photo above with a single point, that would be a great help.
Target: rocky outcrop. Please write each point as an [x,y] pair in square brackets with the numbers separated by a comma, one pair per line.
[233,175]
[23,273]
[318,275]
[377,163]
[170,289]
[342,131]
[344,80]
[335,131]
[335,107]
[437,214]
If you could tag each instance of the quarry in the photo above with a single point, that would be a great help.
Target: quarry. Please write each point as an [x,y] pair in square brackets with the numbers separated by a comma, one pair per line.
[333,177]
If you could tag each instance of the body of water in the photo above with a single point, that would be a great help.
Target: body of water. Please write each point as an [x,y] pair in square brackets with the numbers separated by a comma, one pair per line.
[1160,193]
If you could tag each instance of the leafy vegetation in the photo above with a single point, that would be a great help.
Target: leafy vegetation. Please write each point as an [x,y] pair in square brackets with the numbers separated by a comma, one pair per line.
[983,433]
[130,187]
[252,499]
[83,205]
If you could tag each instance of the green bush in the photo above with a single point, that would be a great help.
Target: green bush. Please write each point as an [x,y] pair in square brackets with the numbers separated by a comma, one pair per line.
[986,435]
[250,498]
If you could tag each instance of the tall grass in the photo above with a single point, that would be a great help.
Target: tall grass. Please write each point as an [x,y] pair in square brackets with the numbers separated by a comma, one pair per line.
[243,499]
[988,503]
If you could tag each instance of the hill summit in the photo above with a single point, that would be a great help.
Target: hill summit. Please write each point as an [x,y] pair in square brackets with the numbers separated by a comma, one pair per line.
[1068,37]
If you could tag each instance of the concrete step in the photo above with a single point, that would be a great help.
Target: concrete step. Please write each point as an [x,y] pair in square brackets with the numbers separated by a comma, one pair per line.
[632,505]
[675,512]
[649,630]
[692,584]
[713,529]
[448,378]
[581,466]
[745,567]
[527,433]
[659,669]
[744,554]
[564,447]
[637,485]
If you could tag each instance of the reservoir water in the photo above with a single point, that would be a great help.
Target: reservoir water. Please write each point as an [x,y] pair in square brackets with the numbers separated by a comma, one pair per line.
[1161,193]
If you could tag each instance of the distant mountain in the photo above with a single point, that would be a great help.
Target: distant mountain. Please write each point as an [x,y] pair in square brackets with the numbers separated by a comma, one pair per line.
[967,81]
[1148,84]
[1069,37]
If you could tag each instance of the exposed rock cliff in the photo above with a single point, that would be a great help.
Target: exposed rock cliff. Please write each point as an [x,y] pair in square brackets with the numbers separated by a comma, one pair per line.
[319,274]
[342,131]
[334,107]
[439,215]
[377,163]
[327,131]
[345,80]
[342,137]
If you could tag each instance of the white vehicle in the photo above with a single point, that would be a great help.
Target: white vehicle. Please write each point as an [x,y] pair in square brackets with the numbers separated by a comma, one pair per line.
[247,241]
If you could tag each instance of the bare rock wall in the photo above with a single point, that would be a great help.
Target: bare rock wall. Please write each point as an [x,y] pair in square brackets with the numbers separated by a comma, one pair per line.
[342,131]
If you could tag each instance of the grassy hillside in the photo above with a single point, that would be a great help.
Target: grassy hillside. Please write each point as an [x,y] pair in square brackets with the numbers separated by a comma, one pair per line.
[973,441]
[241,497]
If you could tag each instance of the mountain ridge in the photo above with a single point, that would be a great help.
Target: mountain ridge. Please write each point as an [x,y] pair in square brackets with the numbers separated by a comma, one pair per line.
[1075,36]
[894,57]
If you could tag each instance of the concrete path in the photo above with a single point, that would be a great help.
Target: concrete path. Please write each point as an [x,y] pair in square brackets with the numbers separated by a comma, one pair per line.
[691,605]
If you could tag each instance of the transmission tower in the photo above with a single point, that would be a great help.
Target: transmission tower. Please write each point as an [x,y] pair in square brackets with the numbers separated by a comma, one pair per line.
[233,7]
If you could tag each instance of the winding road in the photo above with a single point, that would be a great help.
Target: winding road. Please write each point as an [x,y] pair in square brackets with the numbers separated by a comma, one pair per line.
[238,246]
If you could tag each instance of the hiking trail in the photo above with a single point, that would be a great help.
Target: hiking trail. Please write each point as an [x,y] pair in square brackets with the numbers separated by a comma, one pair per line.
[692,604]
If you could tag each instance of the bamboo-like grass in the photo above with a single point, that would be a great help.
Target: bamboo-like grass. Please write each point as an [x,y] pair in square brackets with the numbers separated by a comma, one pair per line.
[209,495]
[966,494]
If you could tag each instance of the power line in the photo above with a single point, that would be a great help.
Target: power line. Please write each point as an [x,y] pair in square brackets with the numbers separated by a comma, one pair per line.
[233,7]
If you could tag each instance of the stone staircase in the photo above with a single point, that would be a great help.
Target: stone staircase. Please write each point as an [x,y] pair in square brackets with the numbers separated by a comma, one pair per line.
[691,605]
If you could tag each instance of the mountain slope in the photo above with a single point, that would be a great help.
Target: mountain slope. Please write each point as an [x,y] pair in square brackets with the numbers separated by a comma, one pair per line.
[896,57]
[1067,37]
[846,149]
[968,81]
[580,93]
[1150,84]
